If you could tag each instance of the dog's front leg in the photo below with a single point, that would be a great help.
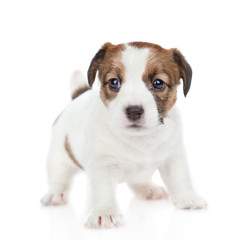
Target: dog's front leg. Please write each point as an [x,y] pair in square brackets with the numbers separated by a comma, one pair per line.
[175,174]
[103,210]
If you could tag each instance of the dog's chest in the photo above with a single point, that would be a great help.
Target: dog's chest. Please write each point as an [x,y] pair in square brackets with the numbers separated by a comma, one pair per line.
[135,161]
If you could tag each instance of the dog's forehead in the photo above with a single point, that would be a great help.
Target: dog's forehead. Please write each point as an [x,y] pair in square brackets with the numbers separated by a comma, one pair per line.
[134,60]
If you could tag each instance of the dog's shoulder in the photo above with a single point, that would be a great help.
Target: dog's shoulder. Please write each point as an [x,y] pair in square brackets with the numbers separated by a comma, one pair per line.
[78,109]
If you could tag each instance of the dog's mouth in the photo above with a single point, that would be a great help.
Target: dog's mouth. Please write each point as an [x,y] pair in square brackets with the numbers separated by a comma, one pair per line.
[135,126]
[138,129]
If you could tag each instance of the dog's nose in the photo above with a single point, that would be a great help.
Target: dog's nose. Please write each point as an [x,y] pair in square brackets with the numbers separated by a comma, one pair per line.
[134,112]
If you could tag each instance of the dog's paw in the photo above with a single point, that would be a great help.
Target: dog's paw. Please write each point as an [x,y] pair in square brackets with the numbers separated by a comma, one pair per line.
[149,191]
[103,220]
[54,199]
[153,192]
[190,202]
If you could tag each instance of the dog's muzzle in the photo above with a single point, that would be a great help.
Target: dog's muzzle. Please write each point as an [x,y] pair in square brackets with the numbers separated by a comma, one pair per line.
[134,113]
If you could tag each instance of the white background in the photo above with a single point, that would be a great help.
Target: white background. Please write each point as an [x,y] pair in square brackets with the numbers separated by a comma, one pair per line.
[43,42]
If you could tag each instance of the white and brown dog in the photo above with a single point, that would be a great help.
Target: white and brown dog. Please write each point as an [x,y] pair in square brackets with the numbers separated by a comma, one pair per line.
[124,132]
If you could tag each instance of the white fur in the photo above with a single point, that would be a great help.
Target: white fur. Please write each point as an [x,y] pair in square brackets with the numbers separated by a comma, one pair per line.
[111,153]
[77,81]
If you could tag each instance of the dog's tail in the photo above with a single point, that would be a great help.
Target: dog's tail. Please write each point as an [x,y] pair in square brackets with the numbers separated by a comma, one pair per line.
[78,84]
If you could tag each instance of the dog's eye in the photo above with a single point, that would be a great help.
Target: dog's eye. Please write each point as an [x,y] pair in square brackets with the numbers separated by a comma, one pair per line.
[114,83]
[158,84]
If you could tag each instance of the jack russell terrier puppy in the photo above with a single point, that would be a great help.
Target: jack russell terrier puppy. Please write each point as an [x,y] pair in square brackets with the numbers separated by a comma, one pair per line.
[124,132]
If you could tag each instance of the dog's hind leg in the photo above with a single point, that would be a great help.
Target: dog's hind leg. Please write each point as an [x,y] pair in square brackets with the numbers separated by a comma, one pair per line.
[148,191]
[61,171]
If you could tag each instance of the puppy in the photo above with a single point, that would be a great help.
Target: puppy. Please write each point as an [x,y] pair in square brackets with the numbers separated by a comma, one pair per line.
[123,132]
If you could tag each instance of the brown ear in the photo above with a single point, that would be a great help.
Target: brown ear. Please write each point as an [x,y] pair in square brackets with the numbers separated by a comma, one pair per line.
[184,69]
[95,63]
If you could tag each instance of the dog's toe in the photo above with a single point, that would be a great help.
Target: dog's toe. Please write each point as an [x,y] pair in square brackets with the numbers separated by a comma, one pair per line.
[155,193]
[190,202]
[149,191]
[103,221]
[54,199]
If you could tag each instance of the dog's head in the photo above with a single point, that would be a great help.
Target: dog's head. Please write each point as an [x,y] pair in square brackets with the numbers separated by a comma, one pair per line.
[139,82]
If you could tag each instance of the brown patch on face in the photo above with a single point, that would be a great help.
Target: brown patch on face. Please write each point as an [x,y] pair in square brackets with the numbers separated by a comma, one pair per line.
[108,64]
[70,153]
[79,91]
[162,66]
[174,56]
[169,66]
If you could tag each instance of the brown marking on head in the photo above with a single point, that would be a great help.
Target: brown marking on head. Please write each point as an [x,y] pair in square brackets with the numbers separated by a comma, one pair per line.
[169,66]
[70,153]
[79,91]
[108,63]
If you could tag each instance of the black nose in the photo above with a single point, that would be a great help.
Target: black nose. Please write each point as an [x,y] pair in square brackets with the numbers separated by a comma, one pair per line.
[134,112]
